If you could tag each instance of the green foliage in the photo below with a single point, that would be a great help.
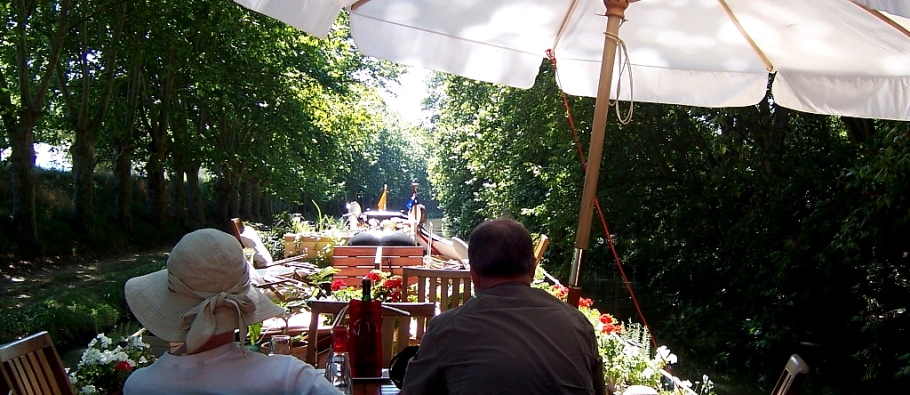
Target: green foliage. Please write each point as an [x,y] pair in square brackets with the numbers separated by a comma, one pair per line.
[759,231]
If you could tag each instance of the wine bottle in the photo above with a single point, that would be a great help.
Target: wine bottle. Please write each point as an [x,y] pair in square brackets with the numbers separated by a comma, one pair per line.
[364,337]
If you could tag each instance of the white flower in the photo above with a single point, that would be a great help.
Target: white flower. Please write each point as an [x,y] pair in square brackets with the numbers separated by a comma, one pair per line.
[105,341]
[137,342]
[630,350]
[687,384]
[90,357]
[666,355]
[88,389]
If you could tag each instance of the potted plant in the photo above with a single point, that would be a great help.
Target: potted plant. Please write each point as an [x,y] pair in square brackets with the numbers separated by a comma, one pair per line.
[106,364]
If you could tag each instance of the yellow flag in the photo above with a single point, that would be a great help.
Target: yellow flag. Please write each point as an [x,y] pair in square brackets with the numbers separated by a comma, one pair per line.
[382,199]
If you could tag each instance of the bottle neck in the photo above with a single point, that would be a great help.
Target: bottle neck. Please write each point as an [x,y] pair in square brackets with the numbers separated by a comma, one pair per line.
[367,290]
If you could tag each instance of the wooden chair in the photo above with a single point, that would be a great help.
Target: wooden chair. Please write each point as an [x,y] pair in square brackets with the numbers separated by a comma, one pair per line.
[542,242]
[445,288]
[792,378]
[32,366]
[237,228]
[396,326]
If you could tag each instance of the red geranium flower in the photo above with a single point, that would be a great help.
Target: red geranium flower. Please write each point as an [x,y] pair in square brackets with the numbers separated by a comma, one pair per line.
[394,283]
[561,292]
[337,284]
[374,276]
[606,319]
[123,366]
[395,296]
[585,302]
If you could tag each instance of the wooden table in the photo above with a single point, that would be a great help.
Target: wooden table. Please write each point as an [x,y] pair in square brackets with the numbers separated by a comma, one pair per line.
[372,387]
[383,387]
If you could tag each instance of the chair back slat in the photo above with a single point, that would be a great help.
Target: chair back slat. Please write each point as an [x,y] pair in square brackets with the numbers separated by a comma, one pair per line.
[355,262]
[542,242]
[447,288]
[396,327]
[31,366]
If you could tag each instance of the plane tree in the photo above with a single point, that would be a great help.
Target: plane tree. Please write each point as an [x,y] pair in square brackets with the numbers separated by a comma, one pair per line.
[33,41]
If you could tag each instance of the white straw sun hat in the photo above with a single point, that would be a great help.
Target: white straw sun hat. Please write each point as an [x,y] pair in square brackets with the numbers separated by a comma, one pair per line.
[205,290]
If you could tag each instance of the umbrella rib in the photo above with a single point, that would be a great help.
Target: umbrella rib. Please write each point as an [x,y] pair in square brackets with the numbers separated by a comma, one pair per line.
[565,23]
[758,51]
[357,5]
[885,19]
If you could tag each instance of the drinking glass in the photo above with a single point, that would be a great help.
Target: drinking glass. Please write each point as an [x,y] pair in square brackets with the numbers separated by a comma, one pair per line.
[280,344]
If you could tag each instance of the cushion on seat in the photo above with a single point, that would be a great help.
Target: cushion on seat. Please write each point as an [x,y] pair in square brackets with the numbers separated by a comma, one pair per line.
[250,238]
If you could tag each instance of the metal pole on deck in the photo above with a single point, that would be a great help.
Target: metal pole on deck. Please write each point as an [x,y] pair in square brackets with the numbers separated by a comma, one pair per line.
[615,15]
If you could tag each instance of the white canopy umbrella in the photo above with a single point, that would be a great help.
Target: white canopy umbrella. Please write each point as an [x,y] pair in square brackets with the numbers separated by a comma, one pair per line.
[896,7]
[835,57]
[830,56]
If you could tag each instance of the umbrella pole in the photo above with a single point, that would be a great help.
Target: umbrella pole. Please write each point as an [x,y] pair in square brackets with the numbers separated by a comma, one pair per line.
[615,14]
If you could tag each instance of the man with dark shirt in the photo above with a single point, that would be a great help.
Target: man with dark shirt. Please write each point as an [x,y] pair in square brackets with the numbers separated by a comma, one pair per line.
[510,338]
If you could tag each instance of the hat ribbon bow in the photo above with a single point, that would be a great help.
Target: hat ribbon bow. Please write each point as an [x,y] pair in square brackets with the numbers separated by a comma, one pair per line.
[200,320]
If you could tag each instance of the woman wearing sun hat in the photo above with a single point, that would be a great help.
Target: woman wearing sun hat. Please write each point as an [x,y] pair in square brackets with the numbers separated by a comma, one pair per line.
[202,296]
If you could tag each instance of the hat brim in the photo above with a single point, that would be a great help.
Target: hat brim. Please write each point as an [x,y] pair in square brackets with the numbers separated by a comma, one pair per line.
[159,309]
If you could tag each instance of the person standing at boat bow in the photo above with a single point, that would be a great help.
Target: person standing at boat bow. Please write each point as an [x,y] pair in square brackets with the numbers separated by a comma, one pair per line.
[509,338]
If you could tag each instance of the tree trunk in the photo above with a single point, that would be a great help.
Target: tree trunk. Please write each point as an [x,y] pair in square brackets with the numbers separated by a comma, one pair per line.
[859,129]
[24,184]
[158,198]
[123,151]
[179,188]
[246,204]
[196,206]
[234,194]
[223,193]
[83,153]
[158,191]
[87,122]
[255,200]
[123,182]
[265,204]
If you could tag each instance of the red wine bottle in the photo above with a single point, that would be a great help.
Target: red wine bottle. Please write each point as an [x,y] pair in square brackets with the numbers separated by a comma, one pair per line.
[364,336]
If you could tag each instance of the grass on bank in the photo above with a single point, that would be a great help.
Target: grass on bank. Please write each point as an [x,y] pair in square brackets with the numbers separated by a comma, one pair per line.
[73,303]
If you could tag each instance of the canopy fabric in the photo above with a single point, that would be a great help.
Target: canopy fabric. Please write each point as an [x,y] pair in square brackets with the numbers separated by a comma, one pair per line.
[829,56]
[896,7]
